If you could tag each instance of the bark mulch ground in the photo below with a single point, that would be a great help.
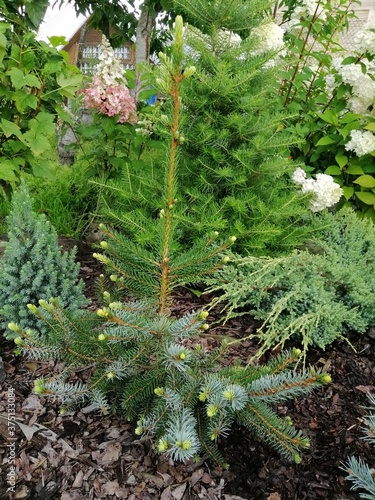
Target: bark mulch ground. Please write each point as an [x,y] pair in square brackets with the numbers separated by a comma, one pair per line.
[88,456]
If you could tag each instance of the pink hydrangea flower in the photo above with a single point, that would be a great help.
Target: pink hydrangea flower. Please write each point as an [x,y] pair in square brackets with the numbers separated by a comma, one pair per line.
[108,93]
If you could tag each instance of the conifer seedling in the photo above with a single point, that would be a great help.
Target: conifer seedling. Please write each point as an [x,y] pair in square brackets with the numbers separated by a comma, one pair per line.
[151,367]
[33,266]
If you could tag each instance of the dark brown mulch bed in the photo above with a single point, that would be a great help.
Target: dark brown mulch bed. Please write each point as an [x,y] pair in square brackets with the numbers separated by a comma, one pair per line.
[88,456]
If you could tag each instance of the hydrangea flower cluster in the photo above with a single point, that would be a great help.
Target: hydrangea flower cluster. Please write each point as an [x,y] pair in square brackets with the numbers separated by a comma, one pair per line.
[307,9]
[327,192]
[108,93]
[364,40]
[109,67]
[228,38]
[269,37]
[362,143]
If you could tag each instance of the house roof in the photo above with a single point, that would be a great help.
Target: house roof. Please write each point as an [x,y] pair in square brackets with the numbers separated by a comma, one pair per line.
[76,35]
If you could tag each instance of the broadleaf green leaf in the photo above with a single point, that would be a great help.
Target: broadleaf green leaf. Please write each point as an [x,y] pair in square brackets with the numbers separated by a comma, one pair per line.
[354,170]
[332,170]
[365,181]
[325,141]
[366,197]
[348,191]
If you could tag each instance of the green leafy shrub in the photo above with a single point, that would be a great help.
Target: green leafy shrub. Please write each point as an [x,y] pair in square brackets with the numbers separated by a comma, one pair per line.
[33,266]
[359,473]
[148,365]
[331,93]
[69,199]
[35,81]
[314,296]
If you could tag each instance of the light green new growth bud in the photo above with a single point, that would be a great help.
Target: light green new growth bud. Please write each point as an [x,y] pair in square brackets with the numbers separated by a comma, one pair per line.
[101,337]
[305,443]
[325,378]
[14,327]
[162,445]
[189,71]
[229,395]
[216,233]
[106,295]
[38,387]
[203,396]
[62,411]
[113,278]
[102,227]
[233,238]
[186,445]
[212,410]
[288,421]
[103,313]
[165,120]
[296,352]
[116,305]
[205,326]
[101,276]
[104,245]
[54,301]
[32,308]
[297,459]
[110,375]
[18,341]
[203,314]
[162,213]
[43,303]
[159,391]
[138,431]
[182,356]
[225,260]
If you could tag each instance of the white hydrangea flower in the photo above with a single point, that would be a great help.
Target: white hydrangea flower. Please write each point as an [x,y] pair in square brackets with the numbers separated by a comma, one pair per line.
[109,67]
[363,87]
[269,37]
[299,176]
[326,192]
[229,38]
[364,40]
[307,9]
[330,83]
[362,143]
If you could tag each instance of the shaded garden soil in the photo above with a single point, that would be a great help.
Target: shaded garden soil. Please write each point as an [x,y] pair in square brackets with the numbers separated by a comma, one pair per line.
[90,456]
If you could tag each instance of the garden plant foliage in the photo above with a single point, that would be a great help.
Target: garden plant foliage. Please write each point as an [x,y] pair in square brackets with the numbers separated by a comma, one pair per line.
[33,266]
[313,296]
[35,81]
[149,366]
[331,92]
[233,142]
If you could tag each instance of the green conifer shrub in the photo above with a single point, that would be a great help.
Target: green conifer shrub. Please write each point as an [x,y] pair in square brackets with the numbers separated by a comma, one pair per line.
[149,366]
[314,295]
[33,266]
[236,166]
[235,171]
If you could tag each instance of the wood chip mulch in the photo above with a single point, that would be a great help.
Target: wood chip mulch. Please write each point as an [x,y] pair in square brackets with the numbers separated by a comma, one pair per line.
[86,455]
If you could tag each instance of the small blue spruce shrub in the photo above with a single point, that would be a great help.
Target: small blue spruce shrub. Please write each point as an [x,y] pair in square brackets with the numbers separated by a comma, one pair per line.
[33,266]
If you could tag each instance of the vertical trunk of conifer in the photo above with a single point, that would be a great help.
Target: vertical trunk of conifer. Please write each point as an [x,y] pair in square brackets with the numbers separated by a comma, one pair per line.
[145,25]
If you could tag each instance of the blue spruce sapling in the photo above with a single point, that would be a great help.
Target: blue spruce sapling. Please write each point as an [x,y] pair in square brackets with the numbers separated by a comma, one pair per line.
[33,266]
